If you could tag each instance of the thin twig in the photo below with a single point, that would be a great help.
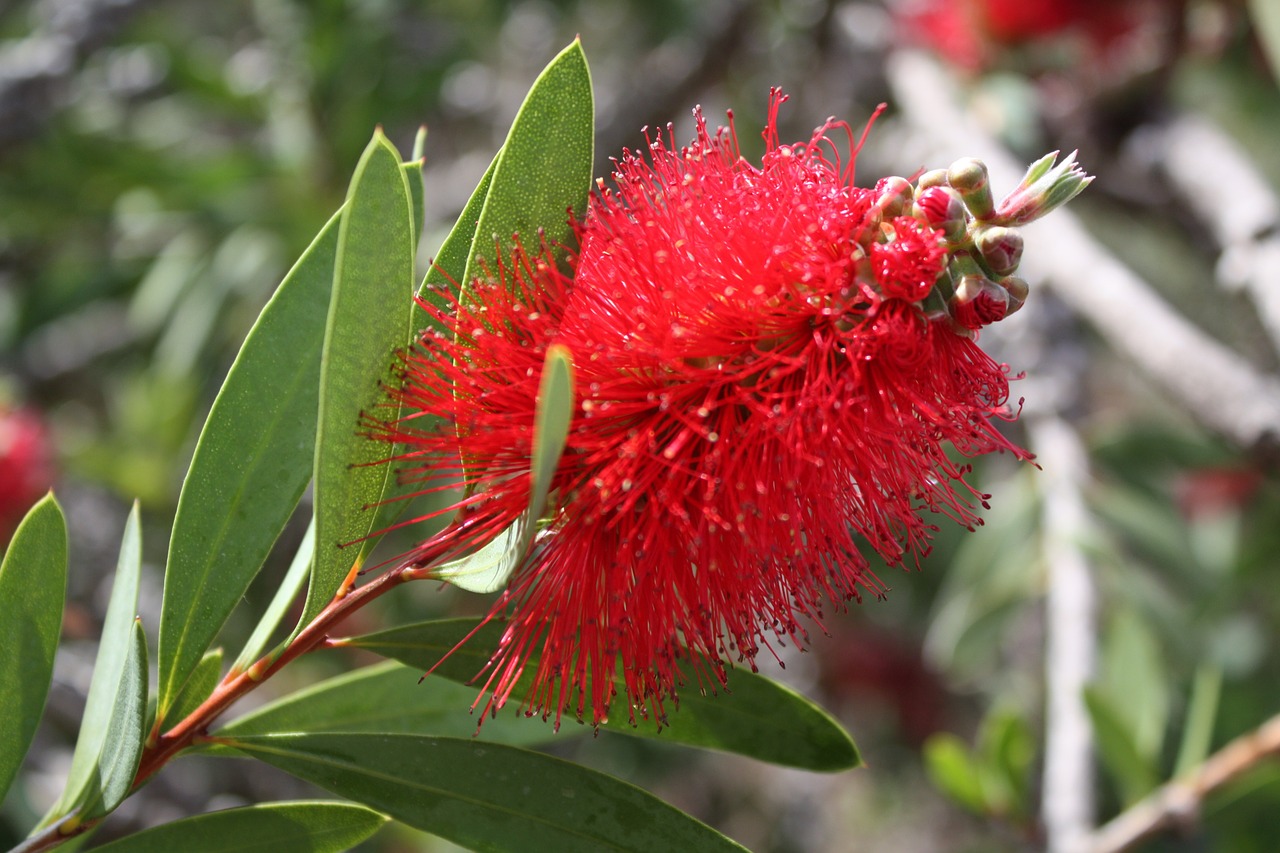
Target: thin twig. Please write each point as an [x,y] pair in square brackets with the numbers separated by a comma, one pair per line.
[1217,180]
[1071,645]
[1222,390]
[1177,803]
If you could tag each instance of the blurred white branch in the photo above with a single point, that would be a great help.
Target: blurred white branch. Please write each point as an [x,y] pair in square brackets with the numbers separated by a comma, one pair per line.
[1070,629]
[1221,389]
[1217,180]
[1177,803]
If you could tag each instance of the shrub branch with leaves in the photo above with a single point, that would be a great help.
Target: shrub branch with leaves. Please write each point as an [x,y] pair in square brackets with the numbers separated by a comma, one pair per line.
[807,310]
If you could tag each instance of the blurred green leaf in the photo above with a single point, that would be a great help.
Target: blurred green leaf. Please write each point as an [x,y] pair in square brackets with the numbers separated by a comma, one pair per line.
[1265,15]
[294,580]
[369,318]
[486,796]
[126,731]
[758,718]
[389,698]
[111,686]
[251,465]
[1202,712]
[300,827]
[953,771]
[488,569]
[33,588]
[204,678]
[1135,775]
[1134,679]
[1006,751]
[413,179]
[544,167]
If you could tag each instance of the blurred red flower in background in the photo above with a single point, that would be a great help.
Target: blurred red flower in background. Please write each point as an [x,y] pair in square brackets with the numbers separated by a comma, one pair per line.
[26,466]
[765,376]
[973,33]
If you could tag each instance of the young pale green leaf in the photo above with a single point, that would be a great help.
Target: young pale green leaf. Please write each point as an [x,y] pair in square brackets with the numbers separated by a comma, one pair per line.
[758,718]
[1265,15]
[953,771]
[126,732]
[1135,775]
[388,698]
[109,685]
[299,827]
[1006,750]
[486,796]
[294,580]
[370,315]
[250,466]
[1135,681]
[33,588]
[204,678]
[413,178]
[544,167]
[488,569]
[1202,713]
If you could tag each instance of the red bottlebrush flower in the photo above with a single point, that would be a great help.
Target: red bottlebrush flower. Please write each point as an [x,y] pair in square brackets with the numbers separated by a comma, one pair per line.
[26,466]
[759,390]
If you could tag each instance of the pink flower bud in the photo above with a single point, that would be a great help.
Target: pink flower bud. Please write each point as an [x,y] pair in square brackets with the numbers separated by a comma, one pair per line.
[1001,248]
[942,208]
[978,302]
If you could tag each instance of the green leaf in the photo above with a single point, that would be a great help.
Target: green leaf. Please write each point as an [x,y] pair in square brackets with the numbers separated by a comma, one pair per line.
[369,318]
[1135,682]
[544,167]
[250,466]
[488,569]
[298,827]
[1006,751]
[390,698]
[486,796]
[953,771]
[126,731]
[413,178]
[294,580]
[1265,15]
[110,687]
[1134,773]
[759,718]
[33,587]
[1202,712]
[204,678]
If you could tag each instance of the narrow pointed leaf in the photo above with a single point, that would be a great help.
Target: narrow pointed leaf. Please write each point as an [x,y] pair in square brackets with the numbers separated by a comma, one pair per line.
[301,827]
[389,698]
[544,167]
[488,569]
[486,796]
[413,179]
[109,671]
[126,731]
[370,314]
[756,717]
[33,588]
[1134,774]
[290,588]
[250,466]
[1202,713]
[204,678]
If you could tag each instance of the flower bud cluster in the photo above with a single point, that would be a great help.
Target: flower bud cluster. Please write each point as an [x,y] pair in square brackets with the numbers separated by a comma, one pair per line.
[976,284]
